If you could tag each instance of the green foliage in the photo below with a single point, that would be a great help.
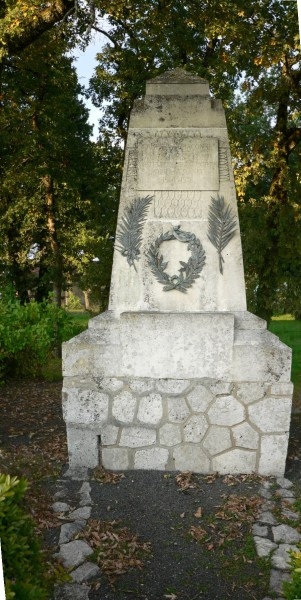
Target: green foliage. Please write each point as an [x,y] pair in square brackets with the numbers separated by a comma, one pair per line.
[292,588]
[24,573]
[28,335]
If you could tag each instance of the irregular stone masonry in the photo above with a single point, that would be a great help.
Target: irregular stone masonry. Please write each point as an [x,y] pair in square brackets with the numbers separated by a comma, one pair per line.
[271,539]
[175,424]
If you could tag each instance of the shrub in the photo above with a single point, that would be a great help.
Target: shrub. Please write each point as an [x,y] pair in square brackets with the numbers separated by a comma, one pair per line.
[24,572]
[28,335]
[292,588]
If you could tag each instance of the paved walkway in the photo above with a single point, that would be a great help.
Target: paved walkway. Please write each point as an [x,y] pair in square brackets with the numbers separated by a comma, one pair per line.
[78,497]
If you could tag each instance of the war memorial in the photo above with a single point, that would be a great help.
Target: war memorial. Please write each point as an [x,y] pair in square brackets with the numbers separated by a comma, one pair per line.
[177,374]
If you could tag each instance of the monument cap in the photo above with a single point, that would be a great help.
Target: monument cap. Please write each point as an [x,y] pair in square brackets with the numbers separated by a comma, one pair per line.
[175,82]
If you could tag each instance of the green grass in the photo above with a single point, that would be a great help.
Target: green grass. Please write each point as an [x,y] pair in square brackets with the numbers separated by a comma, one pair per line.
[289,332]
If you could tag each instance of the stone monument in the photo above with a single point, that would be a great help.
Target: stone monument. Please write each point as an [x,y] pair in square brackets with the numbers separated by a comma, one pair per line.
[177,375]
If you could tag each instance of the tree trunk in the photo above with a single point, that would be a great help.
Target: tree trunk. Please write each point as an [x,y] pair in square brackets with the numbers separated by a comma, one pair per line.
[57,271]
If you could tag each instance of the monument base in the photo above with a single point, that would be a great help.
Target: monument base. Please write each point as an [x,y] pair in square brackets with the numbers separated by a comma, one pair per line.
[204,392]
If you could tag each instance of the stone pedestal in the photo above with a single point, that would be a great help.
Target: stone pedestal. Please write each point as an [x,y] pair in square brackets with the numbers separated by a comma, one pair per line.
[177,375]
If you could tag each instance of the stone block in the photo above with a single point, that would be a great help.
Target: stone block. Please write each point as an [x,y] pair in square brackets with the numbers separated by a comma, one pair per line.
[137,437]
[141,386]
[172,386]
[177,410]
[235,461]
[85,406]
[286,534]
[273,452]
[264,546]
[124,407]
[70,530]
[247,393]
[218,439]
[226,410]
[152,458]
[108,435]
[271,414]
[83,447]
[245,436]
[110,384]
[182,345]
[190,457]
[200,398]
[170,435]
[281,557]
[221,388]
[74,553]
[115,459]
[150,409]
[84,512]
[282,389]
[85,572]
[195,428]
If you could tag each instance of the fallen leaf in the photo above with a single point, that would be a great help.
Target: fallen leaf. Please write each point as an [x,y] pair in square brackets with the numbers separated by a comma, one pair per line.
[199,512]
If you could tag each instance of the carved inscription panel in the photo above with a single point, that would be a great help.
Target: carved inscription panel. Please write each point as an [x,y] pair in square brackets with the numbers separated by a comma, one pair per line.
[168,163]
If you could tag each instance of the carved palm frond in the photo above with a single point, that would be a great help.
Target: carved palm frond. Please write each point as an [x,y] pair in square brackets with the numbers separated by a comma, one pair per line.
[221,227]
[129,234]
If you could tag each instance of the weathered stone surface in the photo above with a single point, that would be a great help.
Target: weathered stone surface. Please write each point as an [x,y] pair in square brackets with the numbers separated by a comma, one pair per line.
[259,530]
[84,512]
[152,458]
[286,534]
[267,517]
[191,458]
[177,410]
[109,434]
[219,388]
[83,450]
[69,530]
[281,556]
[172,386]
[273,454]
[74,553]
[245,436]
[271,414]
[77,473]
[235,461]
[284,483]
[195,428]
[264,546]
[85,572]
[124,407]
[137,437]
[200,398]
[58,507]
[110,384]
[290,514]
[217,440]
[85,406]
[71,591]
[282,389]
[85,499]
[276,581]
[226,410]
[115,459]
[170,434]
[250,392]
[141,386]
[150,409]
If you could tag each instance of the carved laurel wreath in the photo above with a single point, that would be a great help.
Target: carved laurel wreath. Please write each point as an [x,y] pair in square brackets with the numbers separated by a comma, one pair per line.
[188,272]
